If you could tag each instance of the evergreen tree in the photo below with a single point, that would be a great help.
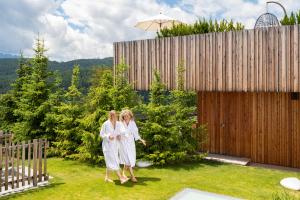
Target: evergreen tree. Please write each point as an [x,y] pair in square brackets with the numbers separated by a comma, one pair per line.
[8,101]
[293,19]
[123,94]
[7,106]
[107,94]
[32,106]
[167,123]
[68,115]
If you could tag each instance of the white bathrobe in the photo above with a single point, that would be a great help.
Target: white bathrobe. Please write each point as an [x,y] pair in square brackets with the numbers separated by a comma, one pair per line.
[110,148]
[127,144]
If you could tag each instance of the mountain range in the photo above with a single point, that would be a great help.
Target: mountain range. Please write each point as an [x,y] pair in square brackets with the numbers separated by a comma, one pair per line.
[8,67]
[6,55]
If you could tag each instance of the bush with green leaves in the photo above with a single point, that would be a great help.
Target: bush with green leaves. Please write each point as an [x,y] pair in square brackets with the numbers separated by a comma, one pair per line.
[34,93]
[67,116]
[293,19]
[166,123]
[199,27]
[110,93]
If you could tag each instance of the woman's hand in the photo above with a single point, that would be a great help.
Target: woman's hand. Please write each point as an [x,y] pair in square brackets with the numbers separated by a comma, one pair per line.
[111,137]
[143,141]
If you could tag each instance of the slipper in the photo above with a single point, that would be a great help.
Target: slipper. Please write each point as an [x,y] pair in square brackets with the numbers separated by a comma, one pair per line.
[134,180]
[124,180]
[108,180]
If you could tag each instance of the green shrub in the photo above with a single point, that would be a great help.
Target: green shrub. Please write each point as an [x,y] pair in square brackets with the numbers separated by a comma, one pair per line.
[166,123]
[292,19]
[199,27]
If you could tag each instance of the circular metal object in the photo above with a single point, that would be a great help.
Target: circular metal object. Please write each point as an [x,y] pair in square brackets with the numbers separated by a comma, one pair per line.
[266,20]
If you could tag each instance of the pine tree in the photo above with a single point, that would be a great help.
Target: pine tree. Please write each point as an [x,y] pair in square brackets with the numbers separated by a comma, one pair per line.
[8,101]
[167,123]
[32,105]
[68,118]
[107,94]
[123,94]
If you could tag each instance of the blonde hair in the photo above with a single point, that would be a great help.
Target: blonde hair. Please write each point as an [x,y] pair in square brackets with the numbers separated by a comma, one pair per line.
[111,114]
[126,112]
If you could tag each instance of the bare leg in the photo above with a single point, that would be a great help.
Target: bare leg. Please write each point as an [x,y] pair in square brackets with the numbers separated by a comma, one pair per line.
[124,170]
[122,178]
[133,178]
[107,179]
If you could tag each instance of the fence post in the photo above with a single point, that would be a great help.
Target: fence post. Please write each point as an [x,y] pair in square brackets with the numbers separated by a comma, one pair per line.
[40,160]
[18,164]
[35,148]
[6,166]
[13,166]
[45,160]
[23,163]
[29,162]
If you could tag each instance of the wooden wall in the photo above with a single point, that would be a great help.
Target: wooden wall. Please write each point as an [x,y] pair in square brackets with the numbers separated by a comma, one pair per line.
[263,126]
[250,60]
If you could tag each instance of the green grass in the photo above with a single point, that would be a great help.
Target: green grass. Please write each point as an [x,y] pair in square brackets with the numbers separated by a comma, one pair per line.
[75,180]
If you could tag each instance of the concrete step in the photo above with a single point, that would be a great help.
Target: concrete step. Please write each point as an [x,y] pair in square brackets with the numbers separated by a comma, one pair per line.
[228,159]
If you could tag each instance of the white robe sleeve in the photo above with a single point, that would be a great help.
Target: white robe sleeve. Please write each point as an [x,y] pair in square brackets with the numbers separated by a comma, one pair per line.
[103,133]
[135,131]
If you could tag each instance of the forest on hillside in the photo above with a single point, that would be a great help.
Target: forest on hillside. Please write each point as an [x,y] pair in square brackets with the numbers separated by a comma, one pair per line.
[8,67]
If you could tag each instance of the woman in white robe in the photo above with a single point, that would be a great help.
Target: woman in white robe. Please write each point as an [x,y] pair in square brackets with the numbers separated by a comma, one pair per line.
[110,134]
[129,134]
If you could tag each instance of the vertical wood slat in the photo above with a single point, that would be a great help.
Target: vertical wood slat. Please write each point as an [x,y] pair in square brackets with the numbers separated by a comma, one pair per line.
[6,165]
[18,164]
[29,162]
[35,152]
[12,160]
[261,126]
[40,160]
[23,163]
[45,160]
[264,59]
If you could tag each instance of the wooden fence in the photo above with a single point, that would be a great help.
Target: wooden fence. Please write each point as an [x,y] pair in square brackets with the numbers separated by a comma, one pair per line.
[265,59]
[16,157]
[262,126]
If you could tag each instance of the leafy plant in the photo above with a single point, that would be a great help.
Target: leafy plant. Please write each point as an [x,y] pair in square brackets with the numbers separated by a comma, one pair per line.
[67,115]
[199,27]
[166,123]
[293,19]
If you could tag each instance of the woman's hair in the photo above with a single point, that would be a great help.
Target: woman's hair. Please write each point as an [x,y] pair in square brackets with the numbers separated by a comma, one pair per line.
[111,114]
[125,112]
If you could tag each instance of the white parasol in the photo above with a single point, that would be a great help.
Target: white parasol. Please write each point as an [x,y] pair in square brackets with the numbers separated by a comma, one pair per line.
[157,22]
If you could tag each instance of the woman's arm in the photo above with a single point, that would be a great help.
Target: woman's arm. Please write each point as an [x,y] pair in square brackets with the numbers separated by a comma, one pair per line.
[103,133]
[135,132]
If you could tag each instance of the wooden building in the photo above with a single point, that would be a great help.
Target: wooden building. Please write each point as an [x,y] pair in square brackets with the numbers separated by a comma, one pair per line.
[248,85]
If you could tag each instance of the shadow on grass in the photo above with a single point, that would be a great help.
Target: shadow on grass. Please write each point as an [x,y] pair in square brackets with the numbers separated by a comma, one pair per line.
[191,166]
[141,181]
[32,191]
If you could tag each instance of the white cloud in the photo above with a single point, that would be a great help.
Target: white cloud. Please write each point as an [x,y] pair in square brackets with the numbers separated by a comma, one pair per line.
[75,29]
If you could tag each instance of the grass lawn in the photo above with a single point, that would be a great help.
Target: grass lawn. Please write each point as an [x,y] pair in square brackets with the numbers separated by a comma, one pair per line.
[75,180]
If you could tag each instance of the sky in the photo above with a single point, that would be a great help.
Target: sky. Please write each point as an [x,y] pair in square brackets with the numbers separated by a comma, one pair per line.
[76,29]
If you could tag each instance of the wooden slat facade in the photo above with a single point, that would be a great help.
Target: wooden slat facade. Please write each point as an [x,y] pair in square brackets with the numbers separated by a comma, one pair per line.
[244,80]
[264,60]
[262,126]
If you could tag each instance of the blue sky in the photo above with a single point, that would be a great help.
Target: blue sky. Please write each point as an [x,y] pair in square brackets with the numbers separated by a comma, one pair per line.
[74,29]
